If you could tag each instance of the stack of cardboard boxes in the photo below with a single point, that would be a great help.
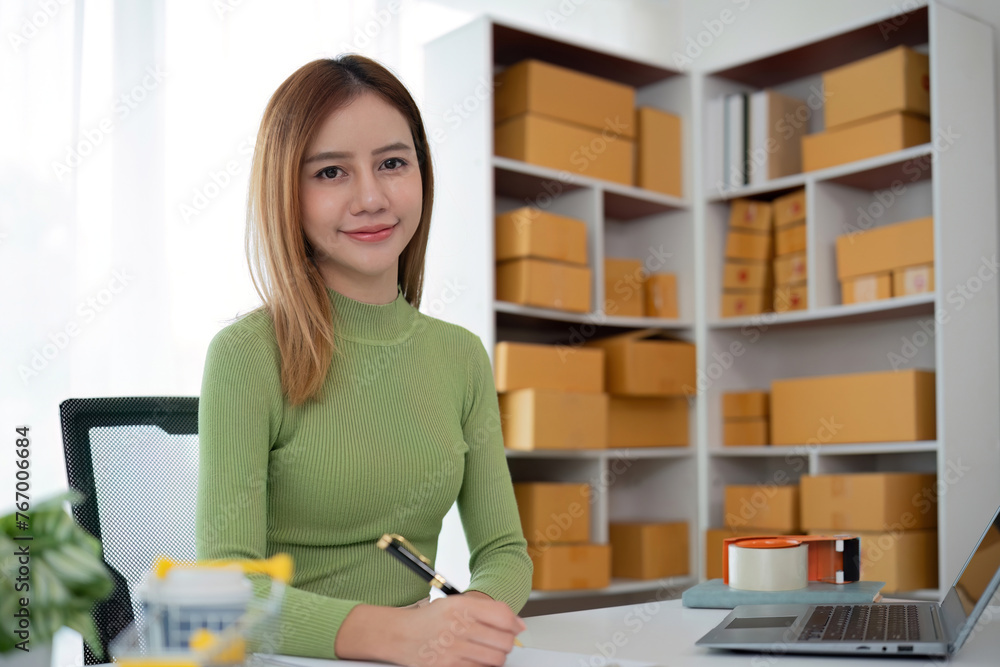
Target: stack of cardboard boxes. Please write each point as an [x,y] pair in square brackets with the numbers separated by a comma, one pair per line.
[564,119]
[542,260]
[747,282]
[873,106]
[630,291]
[790,277]
[894,514]
[745,418]
[554,399]
[762,509]
[887,261]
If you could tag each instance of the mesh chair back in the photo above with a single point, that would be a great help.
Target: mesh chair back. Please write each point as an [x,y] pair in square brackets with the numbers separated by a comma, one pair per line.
[135,461]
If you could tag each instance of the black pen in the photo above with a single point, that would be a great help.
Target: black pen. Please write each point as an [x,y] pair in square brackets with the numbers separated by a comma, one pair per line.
[408,555]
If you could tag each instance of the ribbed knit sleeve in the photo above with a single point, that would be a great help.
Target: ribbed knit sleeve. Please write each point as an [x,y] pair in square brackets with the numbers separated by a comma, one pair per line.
[239,418]
[498,558]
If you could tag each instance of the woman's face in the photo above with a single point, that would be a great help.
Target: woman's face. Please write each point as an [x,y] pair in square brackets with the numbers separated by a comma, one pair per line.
[361,197]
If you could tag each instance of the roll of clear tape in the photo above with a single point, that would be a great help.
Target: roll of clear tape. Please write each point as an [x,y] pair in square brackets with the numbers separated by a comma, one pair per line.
[768,565]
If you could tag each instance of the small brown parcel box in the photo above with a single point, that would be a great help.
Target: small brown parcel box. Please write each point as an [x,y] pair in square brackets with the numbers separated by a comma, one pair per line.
[762,506]
[905,560]
[885,248]
[790,239]
[528,366]
[549,419]
[862,289]
[563,94]
[791,297]
[744,404]
[550,143]
[790,269]
[894,80]
[544,283]
[745,244]
[660,294]
[642,421]
[649,550]
[745,275]
[645,363]
[750,214]
[913,280]
[739,432]
[863,139]
[562,567]
[737,303]
[659,151]
[623,287]
[532,232]
[885,406]
[869,501]
[553,512]
[790,208]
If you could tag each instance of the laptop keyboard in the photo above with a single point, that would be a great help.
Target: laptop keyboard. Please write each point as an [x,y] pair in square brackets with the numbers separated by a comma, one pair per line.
[862,622]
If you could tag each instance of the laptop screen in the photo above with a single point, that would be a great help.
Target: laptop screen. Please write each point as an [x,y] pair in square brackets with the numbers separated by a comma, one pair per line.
[979,571]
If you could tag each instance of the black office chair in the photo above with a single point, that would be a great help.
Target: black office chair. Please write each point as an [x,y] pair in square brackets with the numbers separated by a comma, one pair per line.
[135,461]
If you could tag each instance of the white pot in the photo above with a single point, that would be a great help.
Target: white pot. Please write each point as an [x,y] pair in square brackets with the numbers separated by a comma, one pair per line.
[38,655]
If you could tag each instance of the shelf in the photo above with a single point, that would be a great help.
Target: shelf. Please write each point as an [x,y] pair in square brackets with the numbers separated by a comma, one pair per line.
[614,453]
[882,171]
[533,183]
[618,586]
[517,315]
[852,449]
[902,306]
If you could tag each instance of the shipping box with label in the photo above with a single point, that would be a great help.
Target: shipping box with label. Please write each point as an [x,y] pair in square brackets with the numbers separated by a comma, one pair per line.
[862,289]
[746,275]
[790,269]
[790,208]
[737,303]
[885,406]
[750,214]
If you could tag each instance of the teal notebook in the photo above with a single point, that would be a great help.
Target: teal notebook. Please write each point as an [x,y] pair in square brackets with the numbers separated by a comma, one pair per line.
[714,594]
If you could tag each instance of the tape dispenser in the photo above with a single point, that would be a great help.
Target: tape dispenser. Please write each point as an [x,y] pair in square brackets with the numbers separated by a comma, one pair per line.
[789,562]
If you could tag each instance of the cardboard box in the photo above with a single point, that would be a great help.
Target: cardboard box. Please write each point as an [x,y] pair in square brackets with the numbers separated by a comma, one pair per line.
[737,303]
[740,432]
[790,269]
[766,506]
[863,139]
[790,208]
[886,406]
[894,80]
[750,214]
[790,239]
[545,284]
[659,151]
[791,297]
[649,550]
[905,560]
[532,232]
[746,275]
[743,404]
[660,295]
[745,244]
[549,419]
[862,289]
[553,512]
[645,363]
[885,248]
[869,501]
[563,94]
[623,287]
[640,421]
[530,366]
[562,567]
[713,546]
[913,280]
[556,145]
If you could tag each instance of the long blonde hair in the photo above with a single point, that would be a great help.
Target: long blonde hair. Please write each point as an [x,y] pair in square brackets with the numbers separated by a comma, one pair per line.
[278,253]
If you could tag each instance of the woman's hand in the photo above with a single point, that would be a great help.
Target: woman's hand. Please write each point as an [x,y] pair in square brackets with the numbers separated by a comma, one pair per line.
[460,630]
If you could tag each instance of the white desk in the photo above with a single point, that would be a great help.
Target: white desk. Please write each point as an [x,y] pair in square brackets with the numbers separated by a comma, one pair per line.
[665,633]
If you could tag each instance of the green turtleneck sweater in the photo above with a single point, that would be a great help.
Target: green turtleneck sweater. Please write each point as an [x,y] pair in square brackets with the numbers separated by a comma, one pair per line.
[407,424]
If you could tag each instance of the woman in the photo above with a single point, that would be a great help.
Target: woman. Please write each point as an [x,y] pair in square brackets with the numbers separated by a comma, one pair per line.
[337,412]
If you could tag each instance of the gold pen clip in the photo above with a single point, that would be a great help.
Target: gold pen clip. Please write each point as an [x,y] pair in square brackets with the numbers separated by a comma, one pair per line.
[389,537]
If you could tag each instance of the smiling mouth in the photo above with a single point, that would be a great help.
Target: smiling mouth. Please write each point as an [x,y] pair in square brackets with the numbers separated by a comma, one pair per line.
[371,233]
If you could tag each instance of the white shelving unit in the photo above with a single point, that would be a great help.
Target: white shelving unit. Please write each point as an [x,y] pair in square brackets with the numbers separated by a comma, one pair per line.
[954,182]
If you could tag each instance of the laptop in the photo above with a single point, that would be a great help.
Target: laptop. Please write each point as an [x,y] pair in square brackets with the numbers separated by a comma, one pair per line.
[882,628]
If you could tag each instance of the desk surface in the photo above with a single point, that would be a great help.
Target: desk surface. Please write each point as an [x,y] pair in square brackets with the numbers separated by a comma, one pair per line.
[665,632]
